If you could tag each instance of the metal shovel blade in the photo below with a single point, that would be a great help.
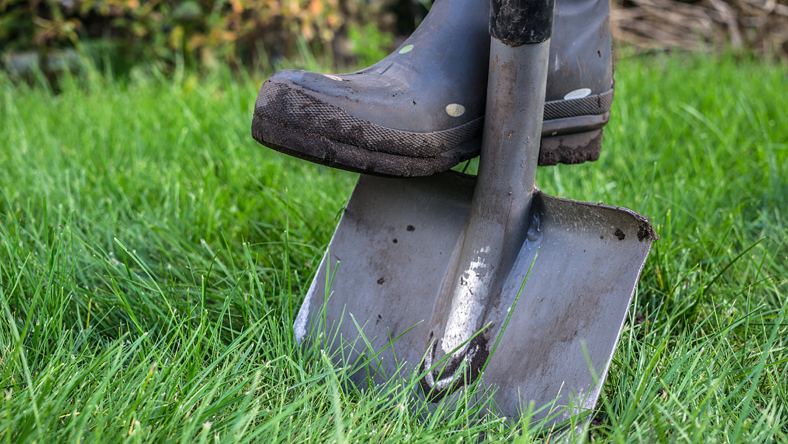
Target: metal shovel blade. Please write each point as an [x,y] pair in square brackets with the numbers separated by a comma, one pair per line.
[393,249]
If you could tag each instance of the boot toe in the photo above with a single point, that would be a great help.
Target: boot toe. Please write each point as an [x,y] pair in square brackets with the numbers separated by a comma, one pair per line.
[296,108]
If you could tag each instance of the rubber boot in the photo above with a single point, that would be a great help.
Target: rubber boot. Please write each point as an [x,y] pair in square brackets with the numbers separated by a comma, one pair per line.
[420,110]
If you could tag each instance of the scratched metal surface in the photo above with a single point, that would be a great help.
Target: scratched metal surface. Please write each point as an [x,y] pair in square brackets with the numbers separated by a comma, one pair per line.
[389,252]
[570,313]
[590,257]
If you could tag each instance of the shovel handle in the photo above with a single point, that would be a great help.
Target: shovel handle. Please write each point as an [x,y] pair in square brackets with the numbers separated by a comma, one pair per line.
[518,22]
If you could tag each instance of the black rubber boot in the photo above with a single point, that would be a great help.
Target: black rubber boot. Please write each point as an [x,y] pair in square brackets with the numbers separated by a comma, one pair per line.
[420,110]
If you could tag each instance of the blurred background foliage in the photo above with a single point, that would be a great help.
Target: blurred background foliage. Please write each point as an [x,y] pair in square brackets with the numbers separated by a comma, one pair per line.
[264,35]
[55,34]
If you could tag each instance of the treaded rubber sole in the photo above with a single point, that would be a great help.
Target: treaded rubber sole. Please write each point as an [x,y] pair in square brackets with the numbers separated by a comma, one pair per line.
[554,149]
[321,150]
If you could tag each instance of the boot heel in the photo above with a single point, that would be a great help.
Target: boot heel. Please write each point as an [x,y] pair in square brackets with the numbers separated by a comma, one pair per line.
[570,149]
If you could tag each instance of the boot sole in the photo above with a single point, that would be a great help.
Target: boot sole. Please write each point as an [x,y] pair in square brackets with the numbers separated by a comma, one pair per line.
[569,141]
[572,140]
[321,150]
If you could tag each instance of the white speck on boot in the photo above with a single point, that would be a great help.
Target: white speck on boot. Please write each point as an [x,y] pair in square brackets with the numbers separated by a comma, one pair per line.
[577,94]
[455,109]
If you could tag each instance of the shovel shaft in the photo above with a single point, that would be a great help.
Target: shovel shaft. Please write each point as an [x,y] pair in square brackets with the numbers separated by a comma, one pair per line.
[510,146]
[500,210]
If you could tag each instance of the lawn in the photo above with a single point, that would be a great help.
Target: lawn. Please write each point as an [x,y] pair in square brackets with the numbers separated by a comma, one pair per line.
[151,253]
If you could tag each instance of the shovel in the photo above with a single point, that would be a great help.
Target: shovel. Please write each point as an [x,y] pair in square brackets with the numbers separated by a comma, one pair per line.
[432,269]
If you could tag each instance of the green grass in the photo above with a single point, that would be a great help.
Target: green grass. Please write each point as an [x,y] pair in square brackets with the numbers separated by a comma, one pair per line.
[151,254]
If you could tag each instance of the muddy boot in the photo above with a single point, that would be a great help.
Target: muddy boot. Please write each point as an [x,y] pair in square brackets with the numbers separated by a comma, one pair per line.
[420,110]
